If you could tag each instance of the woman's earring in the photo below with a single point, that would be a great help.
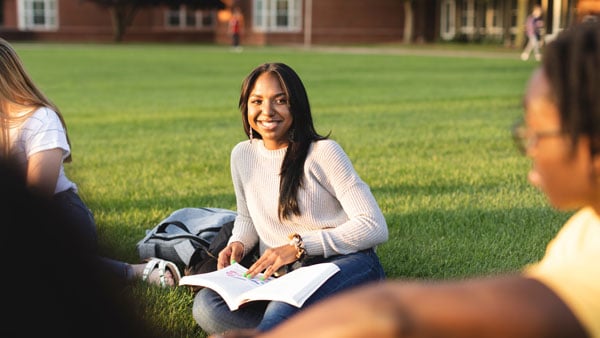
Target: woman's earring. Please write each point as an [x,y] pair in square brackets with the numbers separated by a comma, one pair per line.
[251,135]
[291,135]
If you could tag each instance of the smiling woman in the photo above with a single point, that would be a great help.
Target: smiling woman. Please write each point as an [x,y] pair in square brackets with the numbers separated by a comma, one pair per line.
[299,201]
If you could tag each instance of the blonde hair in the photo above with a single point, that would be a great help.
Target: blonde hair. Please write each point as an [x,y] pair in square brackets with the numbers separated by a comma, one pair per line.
[17,89]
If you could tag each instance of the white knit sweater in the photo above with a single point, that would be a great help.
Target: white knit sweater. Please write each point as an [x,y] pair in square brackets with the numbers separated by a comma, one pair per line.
[339,214]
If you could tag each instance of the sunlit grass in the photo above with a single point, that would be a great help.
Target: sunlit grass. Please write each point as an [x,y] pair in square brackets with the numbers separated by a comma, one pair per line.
[152,127]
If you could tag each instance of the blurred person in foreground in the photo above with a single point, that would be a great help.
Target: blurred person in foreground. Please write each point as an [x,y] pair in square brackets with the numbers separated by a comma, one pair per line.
[33,134]
[558,296]
[57,286]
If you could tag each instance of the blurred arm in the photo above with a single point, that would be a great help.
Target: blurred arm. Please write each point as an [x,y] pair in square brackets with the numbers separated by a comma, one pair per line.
[494,307]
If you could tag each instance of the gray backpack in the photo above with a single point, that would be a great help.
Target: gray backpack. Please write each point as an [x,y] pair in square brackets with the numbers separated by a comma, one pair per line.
[178,236]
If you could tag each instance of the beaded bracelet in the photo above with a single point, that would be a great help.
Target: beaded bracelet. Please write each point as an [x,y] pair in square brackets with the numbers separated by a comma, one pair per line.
[296,241]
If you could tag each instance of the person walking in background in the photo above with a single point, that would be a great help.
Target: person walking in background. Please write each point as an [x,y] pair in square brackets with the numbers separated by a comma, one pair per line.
[33,133]
[299,199]
[533,27]
[558,296]
[235,27]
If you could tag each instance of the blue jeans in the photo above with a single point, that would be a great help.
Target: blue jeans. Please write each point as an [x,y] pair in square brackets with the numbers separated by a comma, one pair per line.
[213,315]
[72,206]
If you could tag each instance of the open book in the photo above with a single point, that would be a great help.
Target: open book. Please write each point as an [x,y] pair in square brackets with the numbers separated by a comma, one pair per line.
[293,288]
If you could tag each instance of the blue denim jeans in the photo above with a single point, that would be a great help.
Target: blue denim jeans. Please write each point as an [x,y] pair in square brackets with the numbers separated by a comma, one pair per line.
[212,314]
[72,206]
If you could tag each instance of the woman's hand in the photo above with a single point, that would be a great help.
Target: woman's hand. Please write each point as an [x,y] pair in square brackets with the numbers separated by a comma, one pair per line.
[234,252]
[272,260]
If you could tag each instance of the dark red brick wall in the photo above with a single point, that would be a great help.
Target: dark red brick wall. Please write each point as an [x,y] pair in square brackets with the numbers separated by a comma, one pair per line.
[333,21]
[10,13]
[357,21]
[85,21]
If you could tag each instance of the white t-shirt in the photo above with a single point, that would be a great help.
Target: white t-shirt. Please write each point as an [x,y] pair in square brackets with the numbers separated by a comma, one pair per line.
[41,131]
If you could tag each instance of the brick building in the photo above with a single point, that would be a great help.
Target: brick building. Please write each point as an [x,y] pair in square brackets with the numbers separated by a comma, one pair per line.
[77,20]
[274,22]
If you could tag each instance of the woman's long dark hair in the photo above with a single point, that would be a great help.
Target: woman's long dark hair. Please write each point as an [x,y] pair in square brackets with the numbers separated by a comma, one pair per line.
[572,65]
[302,131]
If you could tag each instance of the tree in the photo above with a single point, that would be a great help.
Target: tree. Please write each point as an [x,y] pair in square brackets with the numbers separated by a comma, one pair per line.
[123,11]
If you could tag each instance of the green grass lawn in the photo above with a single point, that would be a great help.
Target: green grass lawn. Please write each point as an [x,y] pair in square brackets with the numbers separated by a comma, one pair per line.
[152,126]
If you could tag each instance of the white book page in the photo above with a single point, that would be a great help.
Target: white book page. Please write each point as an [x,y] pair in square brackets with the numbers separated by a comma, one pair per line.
[294,287]
[228,282]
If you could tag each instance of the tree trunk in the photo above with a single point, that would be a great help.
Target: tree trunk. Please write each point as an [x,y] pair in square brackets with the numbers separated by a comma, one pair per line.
[122,17]
[408,21]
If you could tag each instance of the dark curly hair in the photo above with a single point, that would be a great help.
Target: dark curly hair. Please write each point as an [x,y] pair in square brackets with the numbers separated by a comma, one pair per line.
[571,64]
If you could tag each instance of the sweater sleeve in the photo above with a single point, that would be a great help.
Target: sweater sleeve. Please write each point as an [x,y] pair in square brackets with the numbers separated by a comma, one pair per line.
[364,225]
[243,228]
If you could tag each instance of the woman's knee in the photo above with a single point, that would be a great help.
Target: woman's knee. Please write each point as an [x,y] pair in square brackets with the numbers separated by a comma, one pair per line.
[203,311]
[276,313]
[363,265]
[212,314]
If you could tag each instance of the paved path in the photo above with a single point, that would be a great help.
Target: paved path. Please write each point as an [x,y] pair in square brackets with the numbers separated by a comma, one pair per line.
[509,54]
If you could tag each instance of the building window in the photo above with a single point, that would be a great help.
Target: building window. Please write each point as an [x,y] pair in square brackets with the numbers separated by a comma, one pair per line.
[277,15]
[37,14]
[467,14]
[495,10]
[514,8]
[184,18]
[447,27]
[492,13]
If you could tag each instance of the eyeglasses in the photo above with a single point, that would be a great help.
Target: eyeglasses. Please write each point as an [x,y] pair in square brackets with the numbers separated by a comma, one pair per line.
[525,139]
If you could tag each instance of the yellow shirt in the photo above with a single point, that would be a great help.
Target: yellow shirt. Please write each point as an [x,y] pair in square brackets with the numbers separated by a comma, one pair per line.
[571,268]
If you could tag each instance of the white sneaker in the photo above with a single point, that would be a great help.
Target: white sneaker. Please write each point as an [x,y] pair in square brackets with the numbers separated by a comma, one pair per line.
[524,57]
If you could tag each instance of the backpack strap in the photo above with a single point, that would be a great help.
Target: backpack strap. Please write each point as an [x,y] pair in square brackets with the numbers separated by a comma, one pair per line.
[185,250]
